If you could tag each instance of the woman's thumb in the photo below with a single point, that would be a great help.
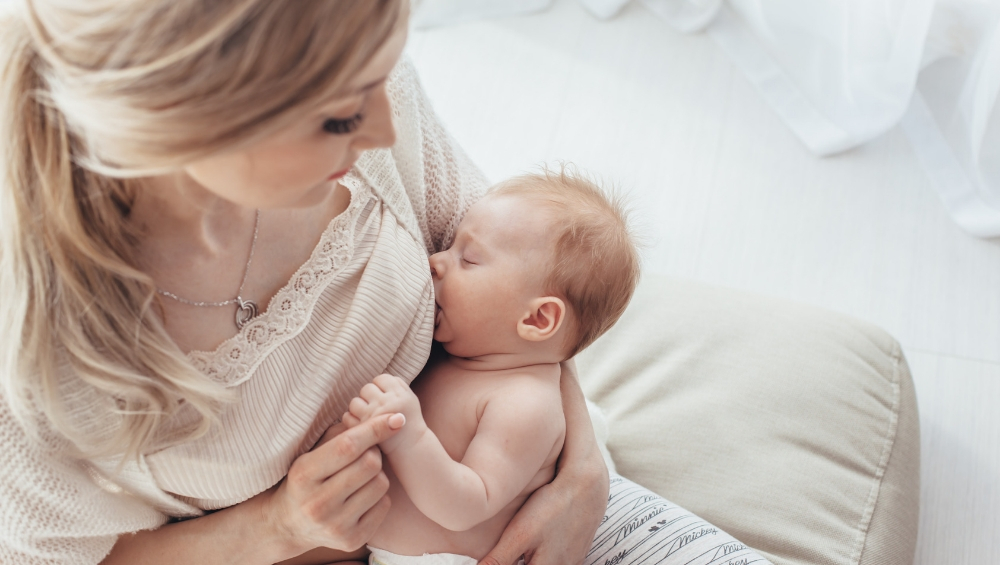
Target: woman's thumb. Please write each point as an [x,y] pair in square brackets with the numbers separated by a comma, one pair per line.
[508,550]
[491,560]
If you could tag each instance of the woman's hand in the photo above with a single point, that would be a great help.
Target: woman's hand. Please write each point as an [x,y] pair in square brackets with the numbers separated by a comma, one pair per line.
[335,495]
[556,525]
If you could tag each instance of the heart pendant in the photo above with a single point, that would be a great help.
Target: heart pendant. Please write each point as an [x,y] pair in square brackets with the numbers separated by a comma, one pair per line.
[246,310]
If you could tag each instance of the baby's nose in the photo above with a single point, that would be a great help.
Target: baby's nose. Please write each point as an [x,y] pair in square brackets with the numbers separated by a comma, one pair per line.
[437,264]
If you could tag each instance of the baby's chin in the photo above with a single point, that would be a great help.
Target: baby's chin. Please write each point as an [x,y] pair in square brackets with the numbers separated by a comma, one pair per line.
[442,337]
[447,336]
[465,350]
[448,344]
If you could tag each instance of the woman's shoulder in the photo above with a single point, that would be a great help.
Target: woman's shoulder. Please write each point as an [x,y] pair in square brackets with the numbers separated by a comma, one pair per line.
[403,76]
[439,179]
[410,109]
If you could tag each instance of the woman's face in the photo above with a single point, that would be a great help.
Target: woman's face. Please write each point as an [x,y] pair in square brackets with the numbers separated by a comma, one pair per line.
[298,166]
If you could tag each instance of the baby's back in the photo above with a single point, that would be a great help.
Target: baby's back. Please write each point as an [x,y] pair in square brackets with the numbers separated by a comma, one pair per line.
[453,400]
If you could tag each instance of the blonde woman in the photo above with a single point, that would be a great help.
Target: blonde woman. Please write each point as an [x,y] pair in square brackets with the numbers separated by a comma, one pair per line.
[214,226]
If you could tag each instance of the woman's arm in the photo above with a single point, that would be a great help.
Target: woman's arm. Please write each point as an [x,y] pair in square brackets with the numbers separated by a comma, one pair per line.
[557,523]
[333,496]
[239,534]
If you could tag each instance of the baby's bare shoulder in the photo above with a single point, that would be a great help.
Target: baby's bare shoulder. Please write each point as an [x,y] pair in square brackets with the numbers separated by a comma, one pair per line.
[534,388]
[545,376]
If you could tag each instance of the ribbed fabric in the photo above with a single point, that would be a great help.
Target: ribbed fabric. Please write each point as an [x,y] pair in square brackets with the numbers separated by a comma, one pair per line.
[362,305]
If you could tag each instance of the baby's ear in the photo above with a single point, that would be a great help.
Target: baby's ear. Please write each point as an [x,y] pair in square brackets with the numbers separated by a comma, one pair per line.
[543,319]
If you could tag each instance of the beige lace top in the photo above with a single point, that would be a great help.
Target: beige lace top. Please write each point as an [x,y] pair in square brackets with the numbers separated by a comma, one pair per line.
[361,305]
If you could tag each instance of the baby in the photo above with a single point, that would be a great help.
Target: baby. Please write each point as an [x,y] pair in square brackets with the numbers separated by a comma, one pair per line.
[540,267]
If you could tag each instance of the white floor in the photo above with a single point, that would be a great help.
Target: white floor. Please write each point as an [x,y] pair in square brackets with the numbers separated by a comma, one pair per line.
[725,194]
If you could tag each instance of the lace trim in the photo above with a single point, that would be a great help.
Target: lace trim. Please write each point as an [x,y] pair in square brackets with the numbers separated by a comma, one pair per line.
[235,360]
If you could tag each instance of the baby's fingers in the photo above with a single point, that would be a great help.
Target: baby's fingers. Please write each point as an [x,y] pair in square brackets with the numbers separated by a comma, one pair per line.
[360,408]
[389,383]
[350,420]
[370,392]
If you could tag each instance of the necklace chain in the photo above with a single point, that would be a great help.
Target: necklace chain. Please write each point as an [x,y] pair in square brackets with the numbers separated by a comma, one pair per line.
[247,308]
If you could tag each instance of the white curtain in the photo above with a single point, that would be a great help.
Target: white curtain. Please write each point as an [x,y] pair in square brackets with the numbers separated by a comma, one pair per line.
[842,72]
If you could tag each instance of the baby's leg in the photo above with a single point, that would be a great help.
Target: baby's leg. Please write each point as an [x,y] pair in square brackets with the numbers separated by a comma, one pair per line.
[641,528]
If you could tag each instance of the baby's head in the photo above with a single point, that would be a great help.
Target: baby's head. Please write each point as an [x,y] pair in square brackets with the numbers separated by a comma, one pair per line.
[542,265]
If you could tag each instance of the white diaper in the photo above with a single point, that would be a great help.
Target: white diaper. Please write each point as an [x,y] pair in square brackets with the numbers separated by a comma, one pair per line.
[383,557]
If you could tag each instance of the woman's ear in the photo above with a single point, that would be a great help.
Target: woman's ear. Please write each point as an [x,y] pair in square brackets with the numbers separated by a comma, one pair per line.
[543,319]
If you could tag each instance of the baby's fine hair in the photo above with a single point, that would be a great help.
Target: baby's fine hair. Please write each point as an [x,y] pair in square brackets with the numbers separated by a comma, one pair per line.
[596,262]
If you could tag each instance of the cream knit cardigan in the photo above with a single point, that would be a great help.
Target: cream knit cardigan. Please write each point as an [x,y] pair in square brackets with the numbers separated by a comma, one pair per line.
[361,305]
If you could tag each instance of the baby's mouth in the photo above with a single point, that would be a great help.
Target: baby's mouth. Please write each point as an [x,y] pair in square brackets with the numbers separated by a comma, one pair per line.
[437,315]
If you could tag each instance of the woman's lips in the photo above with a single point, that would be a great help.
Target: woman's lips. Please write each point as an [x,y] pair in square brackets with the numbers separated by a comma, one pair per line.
[339,174]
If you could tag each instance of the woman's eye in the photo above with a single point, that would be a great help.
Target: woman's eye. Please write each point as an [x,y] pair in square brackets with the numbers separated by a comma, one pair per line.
[338,126]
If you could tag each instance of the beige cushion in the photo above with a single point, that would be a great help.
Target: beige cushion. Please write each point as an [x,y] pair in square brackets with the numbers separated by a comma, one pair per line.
[792,428]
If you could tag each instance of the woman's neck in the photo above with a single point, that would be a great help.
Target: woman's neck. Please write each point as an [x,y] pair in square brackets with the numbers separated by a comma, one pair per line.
[174,210]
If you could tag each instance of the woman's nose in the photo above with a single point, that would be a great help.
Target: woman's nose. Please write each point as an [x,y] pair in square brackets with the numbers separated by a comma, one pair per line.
[437,262]
[377,128]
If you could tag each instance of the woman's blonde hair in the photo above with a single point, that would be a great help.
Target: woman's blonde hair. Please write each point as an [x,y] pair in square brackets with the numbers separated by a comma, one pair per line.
[94,94]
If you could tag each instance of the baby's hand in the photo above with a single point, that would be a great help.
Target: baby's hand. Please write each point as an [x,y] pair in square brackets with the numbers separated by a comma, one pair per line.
[387,394]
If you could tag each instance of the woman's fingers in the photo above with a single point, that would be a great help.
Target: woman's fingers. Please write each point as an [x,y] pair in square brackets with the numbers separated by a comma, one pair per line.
[347,495]
[372,519]
[354,477]
[369,521]
[365,487]
[344,449]
[515,542]
[330,493]
[330,433]
[542,533]
[367,496]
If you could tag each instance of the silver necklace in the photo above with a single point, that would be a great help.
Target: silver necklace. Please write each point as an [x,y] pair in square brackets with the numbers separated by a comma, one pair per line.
[246,310]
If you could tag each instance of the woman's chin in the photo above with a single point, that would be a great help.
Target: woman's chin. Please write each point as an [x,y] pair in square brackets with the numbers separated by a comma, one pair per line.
[299,199]
[315,195]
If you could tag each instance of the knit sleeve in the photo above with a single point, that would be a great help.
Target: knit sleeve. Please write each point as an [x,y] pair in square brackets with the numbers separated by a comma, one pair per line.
[51,509]
[440,179]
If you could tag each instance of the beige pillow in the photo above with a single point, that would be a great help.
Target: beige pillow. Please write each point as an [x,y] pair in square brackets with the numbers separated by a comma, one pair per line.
[792,428]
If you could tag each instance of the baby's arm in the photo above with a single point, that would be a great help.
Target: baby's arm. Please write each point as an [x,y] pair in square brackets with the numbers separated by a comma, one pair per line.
[517,432]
